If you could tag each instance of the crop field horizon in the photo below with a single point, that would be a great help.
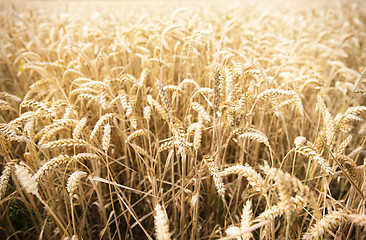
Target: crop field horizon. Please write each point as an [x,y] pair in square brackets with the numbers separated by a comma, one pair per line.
[182,120]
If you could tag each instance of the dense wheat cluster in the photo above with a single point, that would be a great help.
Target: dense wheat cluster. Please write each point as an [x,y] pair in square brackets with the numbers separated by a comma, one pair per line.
[163,120]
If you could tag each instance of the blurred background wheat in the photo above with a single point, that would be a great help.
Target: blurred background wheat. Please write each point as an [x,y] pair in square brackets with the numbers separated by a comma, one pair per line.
[169,120]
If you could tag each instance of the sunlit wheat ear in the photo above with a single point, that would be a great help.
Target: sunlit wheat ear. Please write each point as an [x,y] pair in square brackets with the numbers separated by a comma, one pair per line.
[9,96]
[4,179]
[328,222]
[161,223]
[253,177]
[274,211]
[139,149]
[214,171]
[147,113]
[234,231]
[188,82]
[346,119]
[256,136]
[102,120]
[329,124]
[135,134]
[287,184]
[57,124]
[74,237]
[163,113]
[29,184]
[245,223]
[192,128]
[98,85]
[164,97]
[85,156]
[358,219]
[106,139]
[84,90]
[229,84]
[350,166]
[201,111]
[10,133]
[76,134]
[197,135]
[70,142]
[69,113]
[341,149]
[246,219]
[274,93]
[73,182]
[6,106]
[51,164]
[166,146]
[32,104]
[302,146]
[349,116]
[89,98]
[125,102]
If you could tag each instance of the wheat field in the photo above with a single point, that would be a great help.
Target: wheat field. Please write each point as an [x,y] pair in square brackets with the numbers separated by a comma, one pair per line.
[182,120]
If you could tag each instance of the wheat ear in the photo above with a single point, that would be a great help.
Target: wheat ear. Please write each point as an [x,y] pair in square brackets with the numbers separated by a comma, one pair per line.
[73,182]
[303,147]
[51,164]
[106,139]
[161,223]
[328,222]
[214,171]
[65,143]
[4,179]
[254,178]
